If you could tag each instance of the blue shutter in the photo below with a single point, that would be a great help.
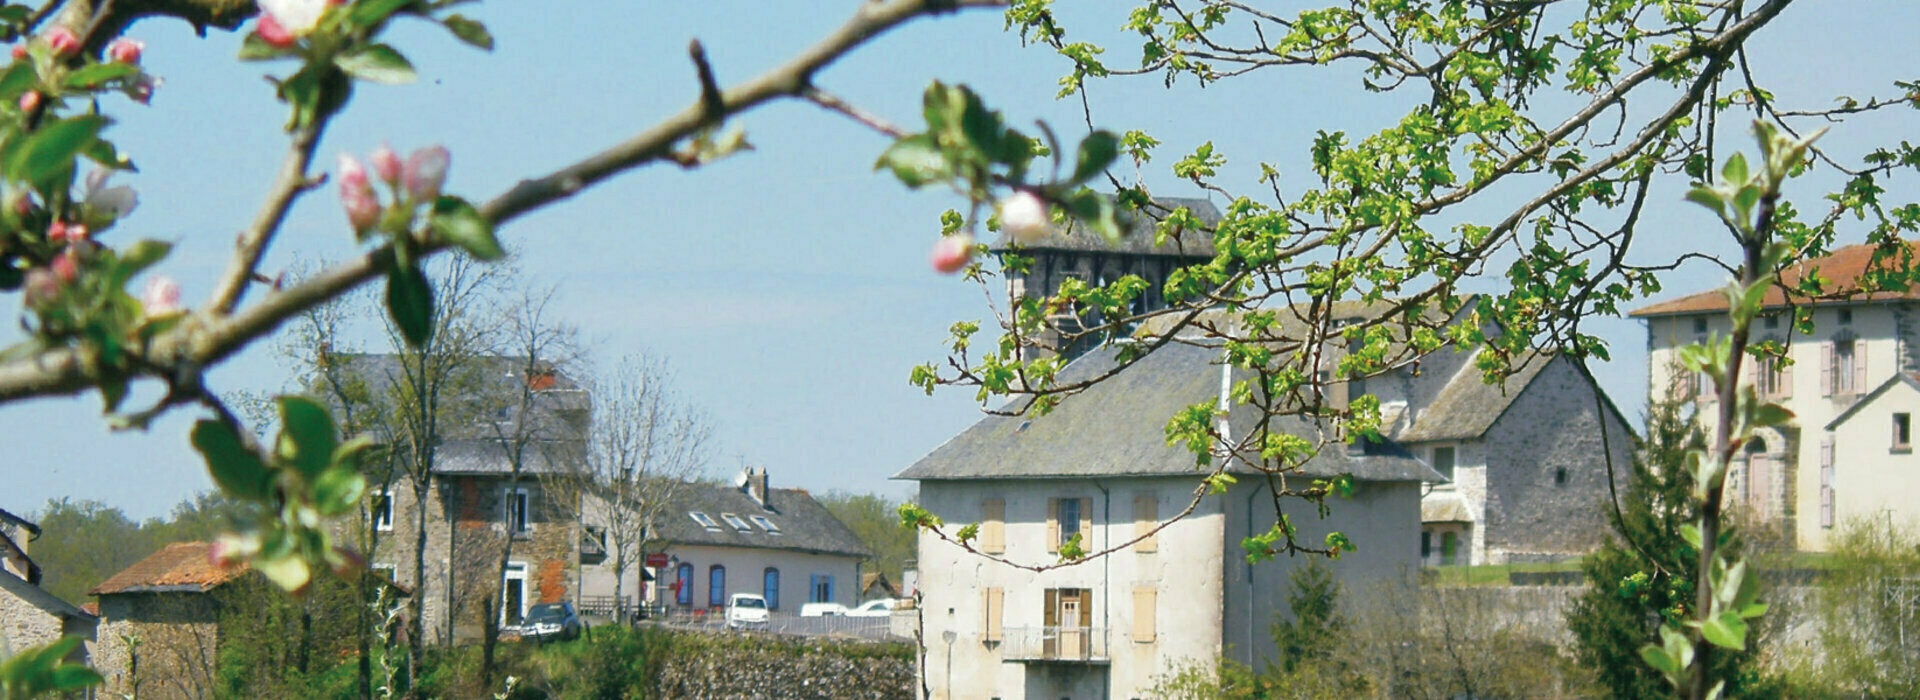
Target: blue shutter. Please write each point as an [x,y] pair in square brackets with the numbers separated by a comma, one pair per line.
[717,586]
[829,580]
[685,578]
[772,593]
[813,588]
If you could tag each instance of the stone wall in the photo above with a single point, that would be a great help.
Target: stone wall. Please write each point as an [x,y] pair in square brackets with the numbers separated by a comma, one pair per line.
[783,672]
[158,645]
[1545,483]
[23,624]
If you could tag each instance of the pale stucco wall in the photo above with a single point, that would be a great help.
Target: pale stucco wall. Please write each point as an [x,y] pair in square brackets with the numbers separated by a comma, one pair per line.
[746,572]
[1872,480]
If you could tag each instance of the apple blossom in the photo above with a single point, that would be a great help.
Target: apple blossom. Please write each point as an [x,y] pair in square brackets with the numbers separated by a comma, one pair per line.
[142,88]
[426,170]
[951,253]
[126,51]
[230,548]
[62,40]
[356,195]
[1023,215]
[386,164]
[77,233]
[271,32]
[19,51]
[294,18]
[162,296]
[57,231]
[43,286]
[116,201]
[29,101]
[67,265]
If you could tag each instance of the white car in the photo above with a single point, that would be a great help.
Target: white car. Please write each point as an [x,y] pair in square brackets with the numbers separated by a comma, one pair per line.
[747,610]
[822,610]
[882,607]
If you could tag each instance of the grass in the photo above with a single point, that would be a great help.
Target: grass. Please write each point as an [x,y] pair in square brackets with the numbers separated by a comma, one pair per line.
[1492,574]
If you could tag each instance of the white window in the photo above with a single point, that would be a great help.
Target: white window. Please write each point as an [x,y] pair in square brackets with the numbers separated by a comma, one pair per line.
[736,522]
[1903,431]
[381,510]
[386,571]
[765,524]
[513,595]
[518,511]
[704,520]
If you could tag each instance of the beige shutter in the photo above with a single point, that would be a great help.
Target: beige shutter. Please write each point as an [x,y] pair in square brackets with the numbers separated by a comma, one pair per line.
[1785,390]
[1086,525]
[993,526]
[1860,366]
[1053,525]
[1826,482]
[1146,517]
[992,601]
[1826,368]
[1144,600]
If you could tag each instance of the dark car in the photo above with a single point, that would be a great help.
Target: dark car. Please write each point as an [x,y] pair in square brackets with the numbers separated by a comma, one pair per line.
[550,621]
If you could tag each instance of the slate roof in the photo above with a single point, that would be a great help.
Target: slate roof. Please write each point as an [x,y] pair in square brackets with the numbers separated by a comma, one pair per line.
[1138,238]
[1842,269]
[1467,406]
[555,390]
[23,522]
[1118,427]
[179,567]
[1445,507]
[40,598]
[805,525]
[487,457]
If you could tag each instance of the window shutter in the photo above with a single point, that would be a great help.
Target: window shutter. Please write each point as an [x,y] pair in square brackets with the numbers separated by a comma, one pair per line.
[1086,525]
[1785,390]
[1146,517]
[1144,600]
[992,600]
[1826,482]
[1053,525]
[993,526]
[1826,368]
[1860,366]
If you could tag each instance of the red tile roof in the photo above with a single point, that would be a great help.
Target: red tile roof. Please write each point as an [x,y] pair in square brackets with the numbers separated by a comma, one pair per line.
[180,566]
[1842,270]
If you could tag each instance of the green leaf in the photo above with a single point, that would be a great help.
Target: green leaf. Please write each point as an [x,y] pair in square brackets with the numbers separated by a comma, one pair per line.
[1771,414]
[306,434]
[17,80]
[410,302]
[71,677]
[254,48]
[99,74]
[54,147]
[469,30]
[1691,534]
[142,255]
[377,63]
[367,13]
[1727,631]
[1659,660]
[1735,171]
[237,470]
[103,152]
[338,491]
[457,222]
[1097,151]
[916,160]
[350,454]
[287,571]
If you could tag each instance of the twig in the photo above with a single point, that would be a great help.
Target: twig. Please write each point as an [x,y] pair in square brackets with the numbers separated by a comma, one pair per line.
[833,103]
[287,185]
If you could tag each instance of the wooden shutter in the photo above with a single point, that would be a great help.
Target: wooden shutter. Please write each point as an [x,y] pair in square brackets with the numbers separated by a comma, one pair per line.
[1826,368]
[1053,525]
[993,526]
[1785,388]
[1086,525]
[1826,482]
[1146,517]
[1860,366]
[993,601]
[1144,600]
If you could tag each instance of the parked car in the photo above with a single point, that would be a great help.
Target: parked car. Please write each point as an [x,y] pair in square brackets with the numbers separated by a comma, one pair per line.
[550,621]
[881,607]
[747,610]
[822,610]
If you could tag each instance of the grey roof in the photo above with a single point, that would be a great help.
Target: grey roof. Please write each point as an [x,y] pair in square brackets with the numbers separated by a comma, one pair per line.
[1869,397]
[23,522]
[491,379]
[40,598]
[1138,238]
[805,525]
[1118,427]
[478,456]
[1467,406]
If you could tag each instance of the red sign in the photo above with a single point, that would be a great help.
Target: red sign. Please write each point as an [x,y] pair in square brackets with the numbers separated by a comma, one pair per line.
[657,560]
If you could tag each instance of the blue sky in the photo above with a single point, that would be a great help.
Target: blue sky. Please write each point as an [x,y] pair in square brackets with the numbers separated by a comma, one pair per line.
[787,287]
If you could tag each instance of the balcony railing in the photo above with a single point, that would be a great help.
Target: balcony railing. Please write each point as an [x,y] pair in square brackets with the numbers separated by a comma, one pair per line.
[1054,643]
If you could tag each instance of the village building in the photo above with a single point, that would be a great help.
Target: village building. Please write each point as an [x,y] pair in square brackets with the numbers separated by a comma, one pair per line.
[1846,455]
[29,615]
[159,628]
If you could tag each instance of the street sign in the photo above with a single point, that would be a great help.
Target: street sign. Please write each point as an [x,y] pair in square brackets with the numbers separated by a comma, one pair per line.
[657,559]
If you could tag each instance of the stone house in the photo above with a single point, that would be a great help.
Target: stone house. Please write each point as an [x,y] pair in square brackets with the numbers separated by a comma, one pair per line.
[16,535]
[160,624]
[746,537]
[29,615]
[1846,455]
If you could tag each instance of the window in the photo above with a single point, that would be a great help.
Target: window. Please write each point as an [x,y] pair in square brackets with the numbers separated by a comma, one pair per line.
[820,588]
[1844,368]
[1146,517]
[1771,321]
[1699,324]
[1443,461]
[513,596]
[1560,476]
[1067,517]
[1426,544]
[765,524]
[716,586]
[704,521]
[993,526]
[992,608]
[1846,316]
[1903,431]
[770,588]
[736,522]
[386,571]
[1772,376]
[518,515]
[381,510]
[1144,603]
[1449,546]
[683,584]
[1069,614]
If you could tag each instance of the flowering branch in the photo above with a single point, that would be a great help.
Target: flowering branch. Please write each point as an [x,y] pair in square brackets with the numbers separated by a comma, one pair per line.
[287,185]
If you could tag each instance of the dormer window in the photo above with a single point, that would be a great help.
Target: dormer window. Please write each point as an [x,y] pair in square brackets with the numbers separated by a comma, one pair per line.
[736,522]
[766,524]
[704,520]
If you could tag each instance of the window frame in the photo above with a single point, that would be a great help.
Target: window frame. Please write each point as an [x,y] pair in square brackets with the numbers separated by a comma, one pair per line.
[380,506]
[1903,432]
[1453,462]
[683,575]
[739,524]
[716,586]
[703,520]
[518,498]
[765,524]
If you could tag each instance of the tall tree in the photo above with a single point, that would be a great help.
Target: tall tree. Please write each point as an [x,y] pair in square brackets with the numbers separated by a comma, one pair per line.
[875,519]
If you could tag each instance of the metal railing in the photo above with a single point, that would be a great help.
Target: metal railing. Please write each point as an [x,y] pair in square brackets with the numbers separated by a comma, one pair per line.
[780,622]
[1054,643]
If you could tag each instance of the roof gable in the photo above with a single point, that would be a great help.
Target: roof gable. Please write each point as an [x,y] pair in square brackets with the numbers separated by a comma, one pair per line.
[39,597]
[1468,406]
[1861,403]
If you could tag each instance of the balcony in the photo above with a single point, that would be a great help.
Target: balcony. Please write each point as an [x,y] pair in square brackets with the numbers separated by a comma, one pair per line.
[1055,644]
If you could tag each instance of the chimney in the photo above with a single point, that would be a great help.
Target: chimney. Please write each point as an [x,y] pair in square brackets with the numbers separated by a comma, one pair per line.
[757,486]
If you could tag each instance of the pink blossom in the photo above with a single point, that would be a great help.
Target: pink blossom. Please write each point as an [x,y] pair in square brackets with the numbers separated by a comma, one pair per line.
[951,253]
[29,101]
[1023,215]
[356,194]
[142,88]
[63,41]
[19,51]
[126,51]
[116,201]
[57,231]
[43,286]
[386,164]
[296,18]
[271,32]
[162,296]
[426,171]
[67,265]
[77,233]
